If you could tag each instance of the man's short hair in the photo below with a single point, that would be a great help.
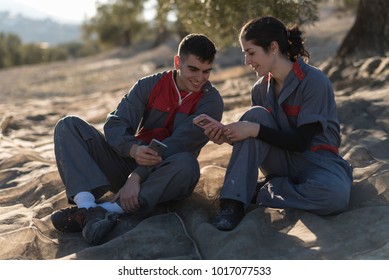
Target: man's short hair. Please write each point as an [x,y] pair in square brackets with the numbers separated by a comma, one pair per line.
[198,45]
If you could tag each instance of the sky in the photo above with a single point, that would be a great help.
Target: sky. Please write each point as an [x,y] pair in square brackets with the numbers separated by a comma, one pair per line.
[72,11]
[69,10]
[66,11]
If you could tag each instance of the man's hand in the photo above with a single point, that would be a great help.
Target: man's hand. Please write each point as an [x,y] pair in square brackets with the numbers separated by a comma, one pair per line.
[144,155]
[128,195]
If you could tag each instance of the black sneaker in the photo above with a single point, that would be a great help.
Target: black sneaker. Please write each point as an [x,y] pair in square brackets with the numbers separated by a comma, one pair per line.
[98,224]
[69,219]
[230,214]
[94,222]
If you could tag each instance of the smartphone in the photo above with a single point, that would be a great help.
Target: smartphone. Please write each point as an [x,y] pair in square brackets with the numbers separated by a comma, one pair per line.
[157,146]
[203,119]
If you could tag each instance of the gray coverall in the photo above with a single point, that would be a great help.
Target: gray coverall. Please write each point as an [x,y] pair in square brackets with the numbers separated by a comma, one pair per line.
[319,179]
[87,160]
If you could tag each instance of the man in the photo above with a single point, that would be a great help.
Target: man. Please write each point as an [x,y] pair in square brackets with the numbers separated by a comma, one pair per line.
[161,106]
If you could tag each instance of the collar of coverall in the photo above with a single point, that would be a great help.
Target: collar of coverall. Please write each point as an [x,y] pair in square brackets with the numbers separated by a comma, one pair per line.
[297,71]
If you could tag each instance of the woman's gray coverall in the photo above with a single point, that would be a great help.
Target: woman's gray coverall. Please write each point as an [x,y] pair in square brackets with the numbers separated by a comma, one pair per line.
[318,179]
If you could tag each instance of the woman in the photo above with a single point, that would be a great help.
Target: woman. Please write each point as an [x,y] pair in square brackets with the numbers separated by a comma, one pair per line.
[291,132]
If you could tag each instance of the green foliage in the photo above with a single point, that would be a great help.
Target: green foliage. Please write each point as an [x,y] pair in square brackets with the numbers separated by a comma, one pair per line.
[222,20]
[34,54]
[9,50]
[117,23]
[121,23]
[13,52]
[348,5]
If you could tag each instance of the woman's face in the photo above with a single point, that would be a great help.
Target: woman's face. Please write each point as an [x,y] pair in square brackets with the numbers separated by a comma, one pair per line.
[255,56]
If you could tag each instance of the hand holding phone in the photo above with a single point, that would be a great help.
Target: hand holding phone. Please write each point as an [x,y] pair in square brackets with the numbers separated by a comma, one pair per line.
[157,146]
[203,119]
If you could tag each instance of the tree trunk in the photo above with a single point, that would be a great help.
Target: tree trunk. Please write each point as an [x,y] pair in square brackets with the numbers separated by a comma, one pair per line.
[127,38]
[369,35]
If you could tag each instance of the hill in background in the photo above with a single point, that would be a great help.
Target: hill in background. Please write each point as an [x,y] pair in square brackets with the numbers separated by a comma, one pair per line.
[31,30]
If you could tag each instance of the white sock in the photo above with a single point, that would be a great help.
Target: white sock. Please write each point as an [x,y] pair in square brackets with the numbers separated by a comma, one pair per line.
[84,200]
[111,207]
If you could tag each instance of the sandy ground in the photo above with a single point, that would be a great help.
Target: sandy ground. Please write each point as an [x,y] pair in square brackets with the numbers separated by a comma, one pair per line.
[34,98]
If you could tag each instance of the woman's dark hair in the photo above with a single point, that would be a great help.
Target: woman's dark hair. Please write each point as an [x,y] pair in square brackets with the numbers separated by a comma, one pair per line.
[264,30]
[198,45]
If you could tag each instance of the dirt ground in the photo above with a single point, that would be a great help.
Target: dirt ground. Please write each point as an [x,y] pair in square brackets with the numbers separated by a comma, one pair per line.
[34,98]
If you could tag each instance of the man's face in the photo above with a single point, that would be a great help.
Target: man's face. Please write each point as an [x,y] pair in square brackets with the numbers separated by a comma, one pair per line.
[192,73]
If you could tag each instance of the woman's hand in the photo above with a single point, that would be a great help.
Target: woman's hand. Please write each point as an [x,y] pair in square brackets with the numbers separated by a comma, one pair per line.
[128,195]
[239,131]
[215,133]
[144,155]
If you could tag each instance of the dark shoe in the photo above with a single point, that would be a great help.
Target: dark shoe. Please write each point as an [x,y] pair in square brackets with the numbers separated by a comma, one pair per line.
[69,219]
[94,222]
[98,224]
[230,214]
